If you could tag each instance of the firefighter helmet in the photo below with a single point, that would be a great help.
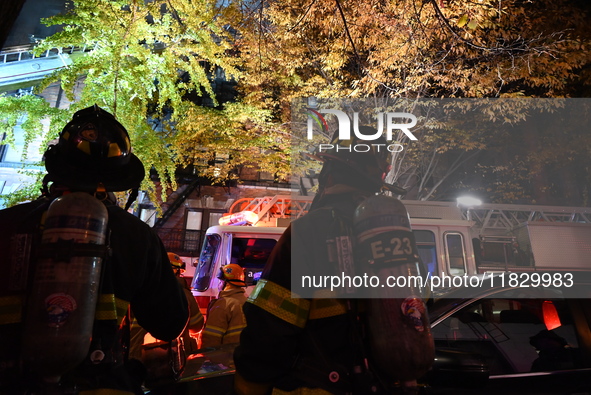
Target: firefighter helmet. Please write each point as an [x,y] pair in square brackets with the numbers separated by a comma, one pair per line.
[176,262]
[356,152]
[233,274]
[359,162]
[355,162]
[94,151]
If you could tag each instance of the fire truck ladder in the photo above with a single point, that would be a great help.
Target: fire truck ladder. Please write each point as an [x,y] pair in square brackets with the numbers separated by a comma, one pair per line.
[492,218]
[278,206]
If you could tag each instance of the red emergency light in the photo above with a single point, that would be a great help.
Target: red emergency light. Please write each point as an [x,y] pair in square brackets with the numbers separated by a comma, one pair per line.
[551,318]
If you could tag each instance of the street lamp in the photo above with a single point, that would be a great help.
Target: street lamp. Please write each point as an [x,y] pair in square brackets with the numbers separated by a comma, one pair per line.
[468,202]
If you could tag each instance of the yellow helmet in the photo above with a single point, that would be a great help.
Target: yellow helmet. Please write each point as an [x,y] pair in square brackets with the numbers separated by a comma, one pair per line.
[176,262]
[232,273]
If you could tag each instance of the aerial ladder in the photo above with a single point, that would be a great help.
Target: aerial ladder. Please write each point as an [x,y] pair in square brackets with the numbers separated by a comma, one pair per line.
[489,219]
[275,210]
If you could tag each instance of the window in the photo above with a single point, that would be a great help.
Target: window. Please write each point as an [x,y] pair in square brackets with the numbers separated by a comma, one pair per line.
[456,258]
[499,251]
[425,240]
[513,335]
[3,149]
[214,218]
[194,219]
[196,223]
[252,255]
[206,264]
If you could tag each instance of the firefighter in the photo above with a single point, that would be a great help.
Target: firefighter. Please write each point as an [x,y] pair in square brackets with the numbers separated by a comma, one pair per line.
[192,329]
[91,158]
[313,345]
[225,319]
[196,320]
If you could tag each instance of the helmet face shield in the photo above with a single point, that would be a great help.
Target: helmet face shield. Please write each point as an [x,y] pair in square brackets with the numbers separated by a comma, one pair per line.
[94,148]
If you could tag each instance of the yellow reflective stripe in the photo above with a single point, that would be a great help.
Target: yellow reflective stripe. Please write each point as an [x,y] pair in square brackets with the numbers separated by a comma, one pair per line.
[301,391]
[214,331]
[323,308]
[244,387]
[105,391]
[109,307]
[236,327]
[195,319]
[277,300]
[122,307]
[11,309]
[235,330]
[106,307]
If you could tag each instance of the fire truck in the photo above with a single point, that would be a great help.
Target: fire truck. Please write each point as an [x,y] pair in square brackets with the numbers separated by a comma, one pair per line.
[452,240]
[246,235]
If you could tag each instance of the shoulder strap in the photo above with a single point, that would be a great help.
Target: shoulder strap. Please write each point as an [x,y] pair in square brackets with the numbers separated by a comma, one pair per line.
[340,245]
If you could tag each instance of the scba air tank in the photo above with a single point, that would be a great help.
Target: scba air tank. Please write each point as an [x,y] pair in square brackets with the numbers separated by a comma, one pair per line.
[62,302]
[397,322]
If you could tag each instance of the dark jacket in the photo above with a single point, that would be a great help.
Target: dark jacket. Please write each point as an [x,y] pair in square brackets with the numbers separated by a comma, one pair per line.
[196,322]
[136,275]
[289,342]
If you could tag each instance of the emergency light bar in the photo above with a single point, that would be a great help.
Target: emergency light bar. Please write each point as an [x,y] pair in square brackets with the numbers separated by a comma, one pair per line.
[241,218]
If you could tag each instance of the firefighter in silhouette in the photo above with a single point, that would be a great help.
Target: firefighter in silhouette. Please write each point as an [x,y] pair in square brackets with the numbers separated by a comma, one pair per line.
[225,319]
[191,332]
[315,344]
[124,266]
[196,320]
